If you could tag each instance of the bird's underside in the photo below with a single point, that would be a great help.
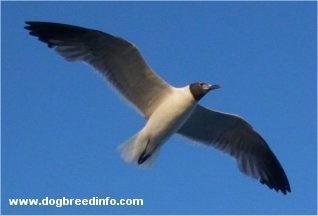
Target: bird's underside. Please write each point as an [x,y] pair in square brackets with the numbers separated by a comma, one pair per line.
[122,65]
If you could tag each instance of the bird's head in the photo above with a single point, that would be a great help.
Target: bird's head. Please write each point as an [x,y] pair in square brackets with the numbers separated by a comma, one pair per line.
[199,89]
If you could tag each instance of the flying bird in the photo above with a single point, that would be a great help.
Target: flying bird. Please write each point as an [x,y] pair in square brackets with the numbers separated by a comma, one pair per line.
[167,109]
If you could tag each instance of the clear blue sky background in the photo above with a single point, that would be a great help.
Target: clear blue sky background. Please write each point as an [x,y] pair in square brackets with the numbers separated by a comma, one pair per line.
[61,124]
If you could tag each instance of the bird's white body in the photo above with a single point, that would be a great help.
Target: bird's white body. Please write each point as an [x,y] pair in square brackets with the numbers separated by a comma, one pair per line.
[163,123]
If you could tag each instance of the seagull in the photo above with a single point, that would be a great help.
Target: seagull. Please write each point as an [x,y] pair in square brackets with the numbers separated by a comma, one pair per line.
[167,109]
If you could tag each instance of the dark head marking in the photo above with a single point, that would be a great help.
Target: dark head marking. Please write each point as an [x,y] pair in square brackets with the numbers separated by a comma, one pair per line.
[199,89]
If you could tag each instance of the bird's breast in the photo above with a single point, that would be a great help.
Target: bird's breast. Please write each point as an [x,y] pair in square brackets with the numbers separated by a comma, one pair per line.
[170,115]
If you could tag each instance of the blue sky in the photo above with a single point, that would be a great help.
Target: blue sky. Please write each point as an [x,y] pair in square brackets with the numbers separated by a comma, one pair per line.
[61,124]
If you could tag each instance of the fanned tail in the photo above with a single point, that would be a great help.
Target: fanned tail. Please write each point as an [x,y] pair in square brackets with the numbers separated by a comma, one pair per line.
[139,150]
[129,150]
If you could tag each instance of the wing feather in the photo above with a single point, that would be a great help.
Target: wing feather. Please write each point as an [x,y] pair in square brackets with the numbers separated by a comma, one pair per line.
[116,59]
[233,135]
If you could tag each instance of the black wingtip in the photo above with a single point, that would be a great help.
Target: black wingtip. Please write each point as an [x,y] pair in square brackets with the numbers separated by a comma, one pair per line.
[284,187]
[28,26]
[50,32]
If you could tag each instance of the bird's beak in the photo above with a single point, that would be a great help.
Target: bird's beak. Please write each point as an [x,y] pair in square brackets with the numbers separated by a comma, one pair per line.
[212,87]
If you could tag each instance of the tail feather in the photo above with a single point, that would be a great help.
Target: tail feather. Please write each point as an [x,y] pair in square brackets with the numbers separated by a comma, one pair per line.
[129,150]
[138,150]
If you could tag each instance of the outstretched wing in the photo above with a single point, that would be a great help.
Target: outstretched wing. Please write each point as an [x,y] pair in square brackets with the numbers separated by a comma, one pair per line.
[117,59]
[236,137]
